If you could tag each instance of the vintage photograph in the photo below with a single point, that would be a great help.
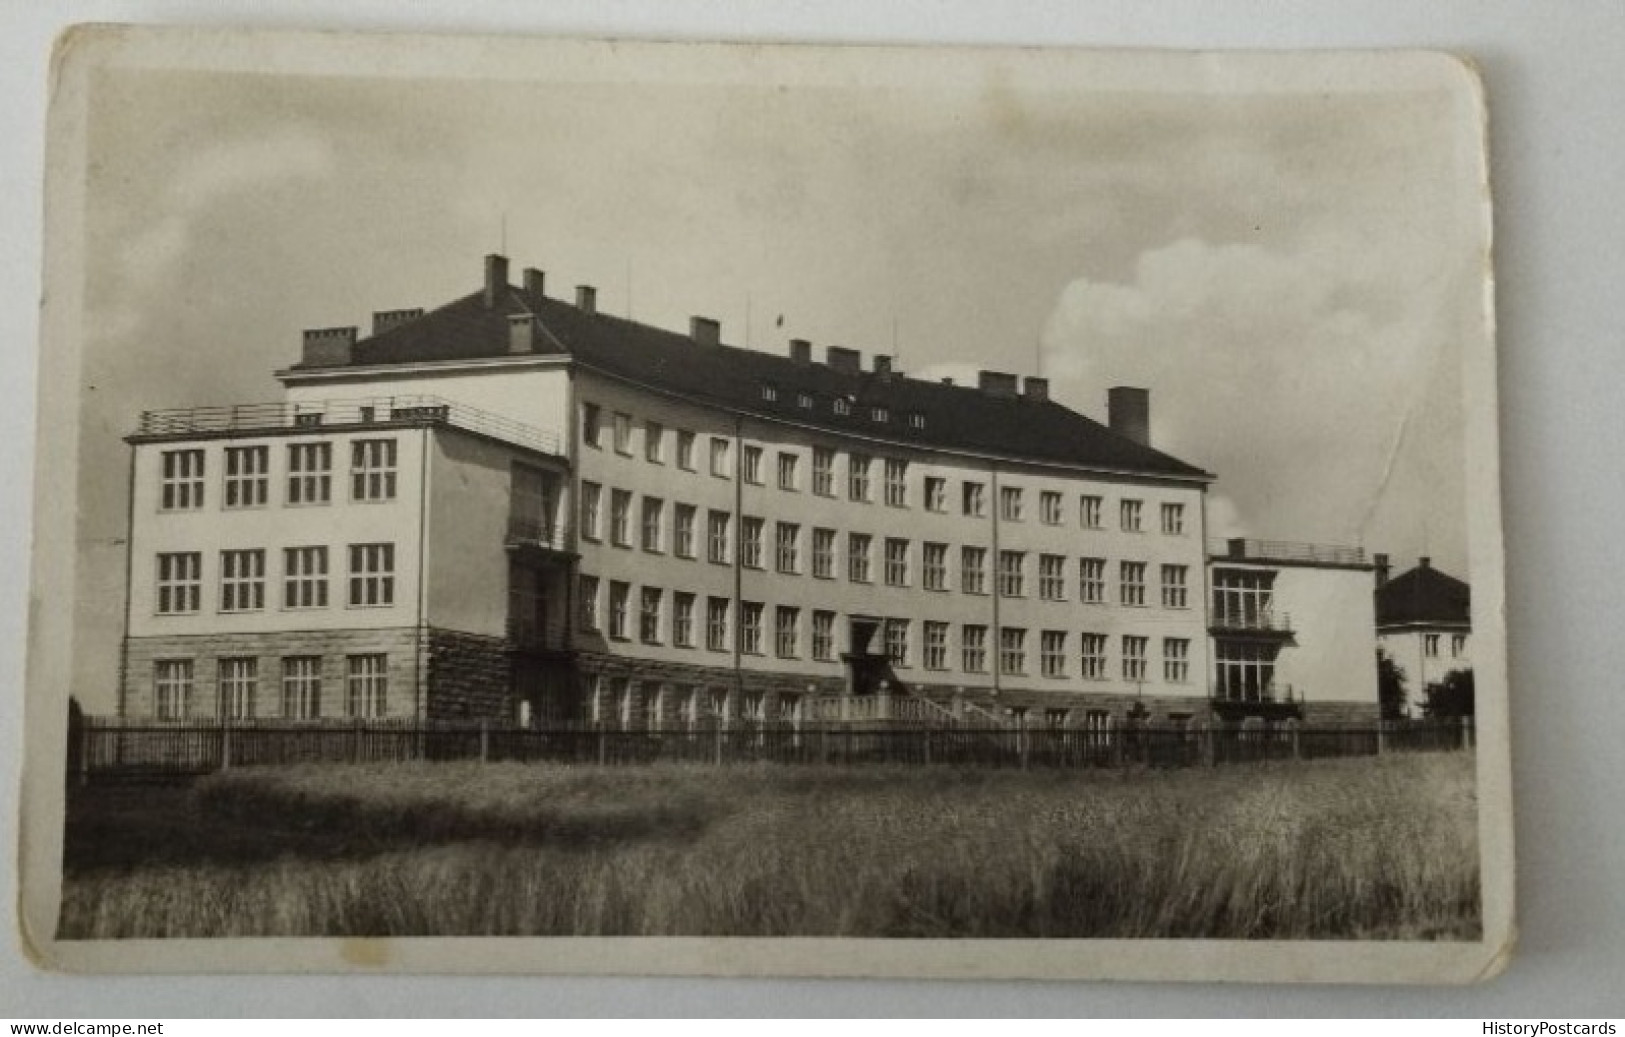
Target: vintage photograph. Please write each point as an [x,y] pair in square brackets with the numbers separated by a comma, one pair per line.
[912,497]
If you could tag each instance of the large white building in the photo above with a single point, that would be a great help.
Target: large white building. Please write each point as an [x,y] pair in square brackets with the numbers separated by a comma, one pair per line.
[518,507]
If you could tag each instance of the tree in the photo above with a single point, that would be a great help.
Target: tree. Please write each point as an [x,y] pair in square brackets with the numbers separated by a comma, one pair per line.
[1390,686]
[1451,697]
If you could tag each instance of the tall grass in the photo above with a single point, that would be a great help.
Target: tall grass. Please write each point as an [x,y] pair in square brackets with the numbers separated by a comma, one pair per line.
[1381,848]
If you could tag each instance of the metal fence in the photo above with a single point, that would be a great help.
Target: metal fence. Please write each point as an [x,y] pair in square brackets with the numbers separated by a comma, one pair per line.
[122,750]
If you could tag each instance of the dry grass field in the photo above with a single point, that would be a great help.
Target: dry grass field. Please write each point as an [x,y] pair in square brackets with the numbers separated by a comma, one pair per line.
[1357,848]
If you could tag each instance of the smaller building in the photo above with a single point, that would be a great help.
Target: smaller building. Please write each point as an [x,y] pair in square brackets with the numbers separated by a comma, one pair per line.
[1424,624]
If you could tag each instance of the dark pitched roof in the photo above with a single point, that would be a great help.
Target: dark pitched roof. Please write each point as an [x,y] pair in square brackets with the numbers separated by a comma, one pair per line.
[954,417]
[1423,595]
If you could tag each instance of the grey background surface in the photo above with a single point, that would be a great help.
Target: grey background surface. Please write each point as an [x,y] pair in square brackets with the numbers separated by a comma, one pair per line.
[1558,143]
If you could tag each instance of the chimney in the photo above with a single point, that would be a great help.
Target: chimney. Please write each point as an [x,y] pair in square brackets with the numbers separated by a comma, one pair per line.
[704,331]
[1035,389]
[535,282]
[996,383]
[882,365]
[522,333]
[328,347]
[1236,547]
[586,298]
[496,278]
[848,361]
[947,381]
[1128,413]
[1380,561]
[800,351]
[383,320]
[1424,562]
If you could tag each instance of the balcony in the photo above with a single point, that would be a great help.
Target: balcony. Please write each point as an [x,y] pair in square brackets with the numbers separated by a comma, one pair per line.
[1253,622]
[536,534]
[1285,552]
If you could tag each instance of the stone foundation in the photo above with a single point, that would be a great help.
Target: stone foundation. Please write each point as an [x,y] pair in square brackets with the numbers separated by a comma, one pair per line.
[470,677]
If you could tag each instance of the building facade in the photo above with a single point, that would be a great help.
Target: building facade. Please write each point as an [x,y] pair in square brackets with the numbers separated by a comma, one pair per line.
[1423,623]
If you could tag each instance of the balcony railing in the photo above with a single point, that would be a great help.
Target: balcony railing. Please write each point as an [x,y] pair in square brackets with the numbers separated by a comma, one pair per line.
[1266,620]
[382,410]
[1270,694]
[1247,549]
[524,531]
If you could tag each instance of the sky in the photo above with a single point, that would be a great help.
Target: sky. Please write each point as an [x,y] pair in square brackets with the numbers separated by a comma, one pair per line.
[1291,275]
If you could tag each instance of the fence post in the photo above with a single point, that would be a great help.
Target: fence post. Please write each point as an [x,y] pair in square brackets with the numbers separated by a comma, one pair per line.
[85,742]
[1297,747]
[1204,738]
[485,741]
[927,733]
[355,742]
[603,746]
[717,755]
[225,744]
[1382,737]
[1466,732]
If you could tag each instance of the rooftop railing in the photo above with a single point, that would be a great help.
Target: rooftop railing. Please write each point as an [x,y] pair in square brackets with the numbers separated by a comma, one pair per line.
[1248,549]
[317,414]
[1262,619]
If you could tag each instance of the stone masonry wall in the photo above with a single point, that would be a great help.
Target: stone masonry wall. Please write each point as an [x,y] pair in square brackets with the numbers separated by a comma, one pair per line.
[470,677]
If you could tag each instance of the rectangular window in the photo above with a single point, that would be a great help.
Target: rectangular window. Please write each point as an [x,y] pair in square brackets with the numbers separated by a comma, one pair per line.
[716,624]
[682,534]
[1173,519]
[310,473]
[896,483]
[649,615]
[753,465]
[682,619]
[592,504]
[1012,650]
[1176,660]
[239,686]
[857,557]
[1245,599]
[172,688]
[242,581]
[1090,509]
[1131,589]
[973,570]
[620,517]
[786,631]
[936,645]
[367,687]
[302,687]
[1244,671]
[750,542]
[180,582]
[936,494]
[1052,652]
[654,521]
[182,486]
[1092,653]
[787,547]
[716,537]
[1012,575]
[857,477]
[248,478]
[896,562]
[304,577]
[1092,580]
[654,442]
[719,457]
[1174,594]
[789,478]
[372,574]
[623,434]
[973,499]
[823,636]
[1134,657]
[1052,577]
[823,553]
[1049,508]
[1010,503]
[823,471]
[619,595]
[1430,645]
[592,425]
[973,648]
[896,641]
[1458,645]
[750,627]
[588,589]
[934,566]
[685,450]
[1129,512]
[1055,719]
[372,470]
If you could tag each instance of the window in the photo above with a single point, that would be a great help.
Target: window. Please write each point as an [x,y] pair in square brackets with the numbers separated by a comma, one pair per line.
[857,477]
[1430,645]
[242,581]
[368,686]
[1134,657]
[1244,599]
[843,406]
[1176,660]
[804,400]
[750,542]
[1244,670]
[682,534]
[591,619]
[592,425]
[372,574]
[1089,511]
[172,688]
[1052,577]
[1132,583]
[934,566]
[716,624]
[787,545]
[1010,503]
[1173,519]
[592,496]
[896,483]
[1049,508]
[823,553]
[786,631]
[936,493]
[973,499]
[973,570]
[1011,575]
[619,592]
[1458,645]
[896,562]
[1092,655]
[788,475]
[1098,724]
[857,557]
[310,473]
[973,648]
[1173,587]
[753,465]
[750,627]
[936,645]
[248,480]
[897,642]
[302,687]
[1092,580]
[770,393]
[1129,512]
[685,450]
[654,520]
[180,582]
[654,442]
[304,578]
[1012,650]
[823,636]
[1052,652]
[1055,719]
[182,487]
[239,684]
[823,471]
[620,517]
[372,470]
[879,414]
[716,537]
[623,434]
[649,615]
[916,420]
[719,457]
[682,619]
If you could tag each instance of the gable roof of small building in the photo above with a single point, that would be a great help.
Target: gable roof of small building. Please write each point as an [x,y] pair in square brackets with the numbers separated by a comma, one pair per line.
[926,413]
[1424,596]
